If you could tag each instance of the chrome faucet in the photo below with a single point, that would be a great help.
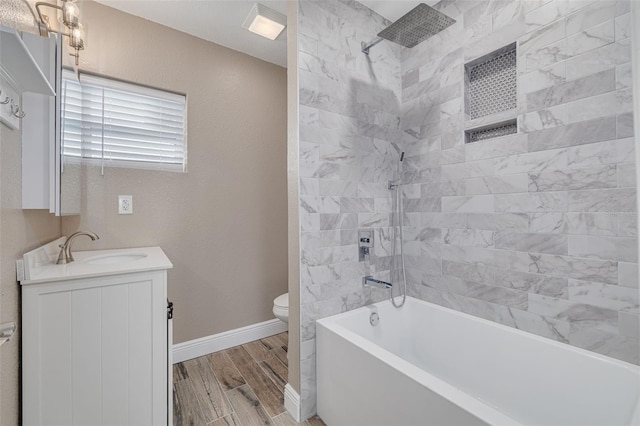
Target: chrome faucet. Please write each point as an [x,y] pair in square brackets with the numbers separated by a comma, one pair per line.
[65,255]
[369,281]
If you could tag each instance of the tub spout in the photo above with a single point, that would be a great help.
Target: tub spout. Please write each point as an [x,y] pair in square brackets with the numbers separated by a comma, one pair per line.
[369,281]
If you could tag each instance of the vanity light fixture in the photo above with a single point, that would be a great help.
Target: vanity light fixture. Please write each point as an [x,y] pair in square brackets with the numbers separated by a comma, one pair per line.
[70,19]
[265,21]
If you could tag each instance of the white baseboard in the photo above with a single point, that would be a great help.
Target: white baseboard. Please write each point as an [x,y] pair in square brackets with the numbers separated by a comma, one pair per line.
[292,402]
[228,339]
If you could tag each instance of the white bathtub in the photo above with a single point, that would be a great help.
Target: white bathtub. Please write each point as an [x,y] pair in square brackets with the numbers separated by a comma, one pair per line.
[428,365]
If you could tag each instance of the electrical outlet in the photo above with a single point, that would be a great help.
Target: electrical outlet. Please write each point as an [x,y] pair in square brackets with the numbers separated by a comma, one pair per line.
[125,204]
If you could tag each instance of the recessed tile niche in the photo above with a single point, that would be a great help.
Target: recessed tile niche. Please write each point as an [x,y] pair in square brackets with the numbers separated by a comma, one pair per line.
[491,89]
[492,131]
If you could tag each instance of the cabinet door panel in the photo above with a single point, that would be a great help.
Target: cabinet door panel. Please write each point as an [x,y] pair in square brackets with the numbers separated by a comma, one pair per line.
[86,355]
[54,392]
[115,351]
[140,352]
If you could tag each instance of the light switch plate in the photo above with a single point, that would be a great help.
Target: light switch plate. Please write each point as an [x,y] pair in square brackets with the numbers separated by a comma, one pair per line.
[125,204]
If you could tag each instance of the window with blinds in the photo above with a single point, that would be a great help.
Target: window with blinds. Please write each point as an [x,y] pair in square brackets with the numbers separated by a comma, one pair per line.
[122,124]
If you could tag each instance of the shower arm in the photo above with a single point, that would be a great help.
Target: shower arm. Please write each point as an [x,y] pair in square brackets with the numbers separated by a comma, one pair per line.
[367,46]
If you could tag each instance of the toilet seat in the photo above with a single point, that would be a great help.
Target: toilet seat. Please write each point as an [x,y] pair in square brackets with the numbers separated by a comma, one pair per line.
[281,307]
[282,301]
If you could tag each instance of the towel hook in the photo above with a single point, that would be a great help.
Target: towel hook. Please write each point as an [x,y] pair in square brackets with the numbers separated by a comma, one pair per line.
[16,110]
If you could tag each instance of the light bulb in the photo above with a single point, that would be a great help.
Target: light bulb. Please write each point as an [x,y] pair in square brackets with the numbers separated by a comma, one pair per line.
[70,14]
[76,38]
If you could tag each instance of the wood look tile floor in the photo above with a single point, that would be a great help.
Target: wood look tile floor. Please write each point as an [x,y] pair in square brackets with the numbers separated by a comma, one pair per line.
[241,386]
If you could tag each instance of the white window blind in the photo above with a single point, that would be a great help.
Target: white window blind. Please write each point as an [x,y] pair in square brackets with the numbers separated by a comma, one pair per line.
[122,124]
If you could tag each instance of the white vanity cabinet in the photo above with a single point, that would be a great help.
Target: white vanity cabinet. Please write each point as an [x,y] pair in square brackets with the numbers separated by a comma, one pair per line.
[95,348]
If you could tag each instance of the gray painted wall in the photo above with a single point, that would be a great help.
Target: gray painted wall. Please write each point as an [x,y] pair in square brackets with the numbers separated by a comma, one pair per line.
[224,223]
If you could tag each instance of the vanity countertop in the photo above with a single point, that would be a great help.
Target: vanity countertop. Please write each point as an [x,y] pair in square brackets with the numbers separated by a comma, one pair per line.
[39,265]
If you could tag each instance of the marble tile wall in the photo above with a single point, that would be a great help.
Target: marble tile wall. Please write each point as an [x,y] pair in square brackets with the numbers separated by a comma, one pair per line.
[349,150]
[535,230]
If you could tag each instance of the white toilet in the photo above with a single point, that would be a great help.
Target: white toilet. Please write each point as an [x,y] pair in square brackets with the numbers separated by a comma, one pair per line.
[281,307]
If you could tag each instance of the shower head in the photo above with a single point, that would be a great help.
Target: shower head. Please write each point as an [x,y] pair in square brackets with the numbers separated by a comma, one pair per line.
[413,28]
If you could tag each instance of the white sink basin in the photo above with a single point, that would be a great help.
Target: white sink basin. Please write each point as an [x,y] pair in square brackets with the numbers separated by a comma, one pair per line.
[40,264]
[110,259]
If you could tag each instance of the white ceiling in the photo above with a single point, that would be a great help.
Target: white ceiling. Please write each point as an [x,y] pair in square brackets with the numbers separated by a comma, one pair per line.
[220,21]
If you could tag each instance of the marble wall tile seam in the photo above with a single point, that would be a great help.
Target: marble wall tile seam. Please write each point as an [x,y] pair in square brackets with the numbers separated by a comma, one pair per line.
[469,204]
[594,13]
[591,38]
[584,87]
[568,179]
[532,162]
[595,177]
[469,169]
[516,318]
[601,129]
[617,298]
[327,95]
[598,59]
[615,151]
[532,283]
[580,223]
[607,104]
[580,43]
[496,147]
[528,282]
[483,291]
[532,242]
[604,247]
[529,6]
[467,237]
[573,311]
[436,96]
[320,239]
[544,15]
[438,66]
[320,169]
[541,36]
[504,184]
[334,17]
[556,27]
[580,268]
[347,128]
[557,251]
[618,201]
[542,78]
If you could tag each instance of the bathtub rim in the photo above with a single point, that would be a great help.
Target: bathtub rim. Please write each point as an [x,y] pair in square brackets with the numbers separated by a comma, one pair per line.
[333,320]
[483,410]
